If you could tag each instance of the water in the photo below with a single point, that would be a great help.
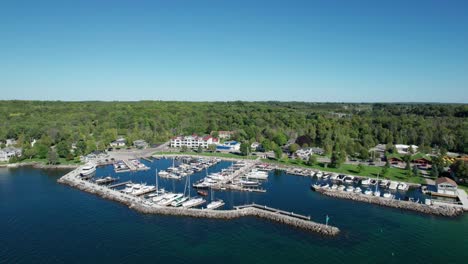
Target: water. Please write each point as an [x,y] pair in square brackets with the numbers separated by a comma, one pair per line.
[42,221]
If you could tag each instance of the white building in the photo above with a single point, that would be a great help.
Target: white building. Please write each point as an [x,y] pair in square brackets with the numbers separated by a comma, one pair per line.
[141,144]
[404,149]
[193,141]
[120,142]
[7,153]
[446,186]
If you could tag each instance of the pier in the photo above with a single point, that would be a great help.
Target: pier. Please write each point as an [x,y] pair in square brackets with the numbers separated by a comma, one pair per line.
[118,184]
[440,210]
[141,205]
[270,209]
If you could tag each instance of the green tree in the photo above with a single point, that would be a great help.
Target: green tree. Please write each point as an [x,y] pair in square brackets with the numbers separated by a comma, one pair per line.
[435,171]
[460,169]
[200,149]
[245,148]
[30,152]
[41,150]
[278,152]
[63,149]
[337,158]
[183,148]
[384,170]
[52,157]
[364,154]
[312,160]
[415,171]
[212,147]
[293,148]
[359,168]
[280,139]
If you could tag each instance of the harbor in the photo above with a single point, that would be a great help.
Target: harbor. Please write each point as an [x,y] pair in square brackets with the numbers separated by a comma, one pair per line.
[140,204]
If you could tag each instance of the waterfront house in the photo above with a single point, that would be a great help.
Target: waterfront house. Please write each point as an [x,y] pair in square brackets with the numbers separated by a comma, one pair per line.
[193,141]
[446,186]
[120,142]
[229,146]
[9,152]
[405,149]
[141,144]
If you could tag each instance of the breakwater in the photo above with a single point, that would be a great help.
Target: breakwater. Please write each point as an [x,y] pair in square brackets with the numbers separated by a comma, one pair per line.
[72,179]
[439,210]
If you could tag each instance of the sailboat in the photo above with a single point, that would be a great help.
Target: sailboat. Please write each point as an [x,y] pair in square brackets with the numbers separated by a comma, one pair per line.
[191,202]
[377,192]
[214,204]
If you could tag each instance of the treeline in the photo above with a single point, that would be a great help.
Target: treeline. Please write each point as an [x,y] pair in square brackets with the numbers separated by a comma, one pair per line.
[352,128]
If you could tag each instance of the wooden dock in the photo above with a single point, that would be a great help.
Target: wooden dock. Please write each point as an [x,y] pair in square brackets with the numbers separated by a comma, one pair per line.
[118,184]
[274,210]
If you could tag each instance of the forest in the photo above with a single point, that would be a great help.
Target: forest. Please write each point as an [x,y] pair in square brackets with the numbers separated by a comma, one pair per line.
[353,128]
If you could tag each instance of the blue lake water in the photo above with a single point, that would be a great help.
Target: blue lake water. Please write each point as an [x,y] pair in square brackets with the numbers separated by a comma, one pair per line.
[42,221]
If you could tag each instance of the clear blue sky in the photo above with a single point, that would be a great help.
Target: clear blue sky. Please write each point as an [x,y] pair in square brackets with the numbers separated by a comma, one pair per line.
[354,51]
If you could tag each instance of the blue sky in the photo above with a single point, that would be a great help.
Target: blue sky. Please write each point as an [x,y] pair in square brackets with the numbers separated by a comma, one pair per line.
[352,51]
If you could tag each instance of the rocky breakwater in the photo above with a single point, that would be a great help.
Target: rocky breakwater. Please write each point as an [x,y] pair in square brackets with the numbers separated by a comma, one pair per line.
[438,210]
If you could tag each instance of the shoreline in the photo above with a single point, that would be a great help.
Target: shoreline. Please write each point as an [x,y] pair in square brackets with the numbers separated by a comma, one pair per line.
[38,165]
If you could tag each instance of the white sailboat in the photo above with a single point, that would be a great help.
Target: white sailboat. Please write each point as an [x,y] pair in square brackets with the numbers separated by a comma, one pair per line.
[214,204]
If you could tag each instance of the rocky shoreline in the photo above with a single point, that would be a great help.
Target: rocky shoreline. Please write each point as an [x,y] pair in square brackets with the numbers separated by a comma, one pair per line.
[138,205]
[438,210]
[39,165]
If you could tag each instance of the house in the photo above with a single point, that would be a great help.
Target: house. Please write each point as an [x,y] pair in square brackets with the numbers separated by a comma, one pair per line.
[405,149]
[9,152]
[120,142]
[223,134]
[193,141]
[10,142]
[256,146]
[229,146]
[446,186]
[141,144]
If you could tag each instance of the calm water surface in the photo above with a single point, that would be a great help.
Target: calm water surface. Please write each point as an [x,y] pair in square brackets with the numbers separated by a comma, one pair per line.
[42,221]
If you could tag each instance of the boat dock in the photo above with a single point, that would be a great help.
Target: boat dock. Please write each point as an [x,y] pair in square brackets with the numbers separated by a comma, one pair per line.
[118,184]
[274,210]
[105,180]
[145,206]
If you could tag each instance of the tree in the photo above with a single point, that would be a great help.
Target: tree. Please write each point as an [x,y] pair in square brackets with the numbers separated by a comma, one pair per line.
[364,154]
[384,170]
[81,146]
[278,153]
[266,144]
[337,158]
[280,139]
[52,157]
[63,149]
[435,171]
[293,148]
[312,160]
[184,148]
[200,149]
[30,152]
[460,169]
[245,148]
[415,170]
[212,147]
[41,150]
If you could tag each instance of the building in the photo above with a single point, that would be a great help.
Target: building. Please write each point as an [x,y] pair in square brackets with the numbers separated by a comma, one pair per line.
[256,146]
[9,152]
[10,142]
[446,186]
[120,142]
[229,146]
[141,144]
[405,149]
[193,141]
[223,134]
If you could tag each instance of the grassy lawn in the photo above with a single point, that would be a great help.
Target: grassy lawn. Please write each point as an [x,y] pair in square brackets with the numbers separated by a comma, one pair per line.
[208,154]
[368,171]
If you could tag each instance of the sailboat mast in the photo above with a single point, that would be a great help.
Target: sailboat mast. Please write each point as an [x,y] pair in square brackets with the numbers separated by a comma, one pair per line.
[156,180]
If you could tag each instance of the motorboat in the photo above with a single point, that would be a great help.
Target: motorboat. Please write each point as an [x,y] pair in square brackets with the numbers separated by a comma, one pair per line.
[377,193]
[193,202]
[88,169]
[388,195]
[349,179]
[215,204]
[319,174]
[179,201]
[393,185]
[163,173]
[333,176]
[334,187]
[402,186]
[368,192]
[341,188]
[358,190]
[350,188]
[170,198]
[384,183]
[365,182]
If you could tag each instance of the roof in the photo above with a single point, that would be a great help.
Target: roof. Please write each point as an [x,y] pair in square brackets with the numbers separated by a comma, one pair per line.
[445,180]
